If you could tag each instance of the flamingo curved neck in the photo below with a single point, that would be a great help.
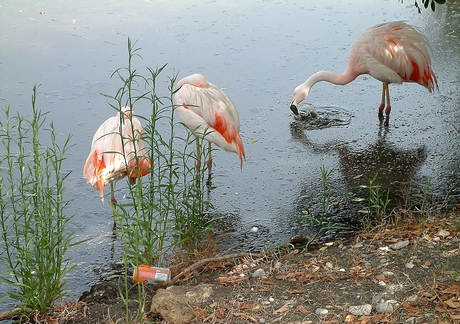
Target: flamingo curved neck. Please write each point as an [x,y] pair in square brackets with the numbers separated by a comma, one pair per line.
[339,79]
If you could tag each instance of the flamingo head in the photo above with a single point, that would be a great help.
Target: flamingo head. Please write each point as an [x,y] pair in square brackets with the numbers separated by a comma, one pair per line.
[300,93]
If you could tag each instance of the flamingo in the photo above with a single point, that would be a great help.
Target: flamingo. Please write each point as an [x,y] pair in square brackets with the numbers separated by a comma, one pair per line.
[116,153]
[209,114]
[392,52]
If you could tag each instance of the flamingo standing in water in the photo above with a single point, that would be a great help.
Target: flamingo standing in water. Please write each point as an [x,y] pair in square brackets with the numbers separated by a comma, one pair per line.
[117,150]
[391,52]
[209,114]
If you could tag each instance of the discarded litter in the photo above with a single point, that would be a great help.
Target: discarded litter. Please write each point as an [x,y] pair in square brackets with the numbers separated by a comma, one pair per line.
[151,275]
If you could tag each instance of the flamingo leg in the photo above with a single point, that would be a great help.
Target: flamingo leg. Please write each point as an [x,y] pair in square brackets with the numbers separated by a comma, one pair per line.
[198,162]
[114,203]
[209,163]
[382,104]
[388,108]
[198,154]
[112,194]
[385,100]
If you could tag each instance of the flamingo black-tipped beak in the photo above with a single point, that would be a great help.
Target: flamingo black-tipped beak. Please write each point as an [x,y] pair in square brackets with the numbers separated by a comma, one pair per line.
[294,110]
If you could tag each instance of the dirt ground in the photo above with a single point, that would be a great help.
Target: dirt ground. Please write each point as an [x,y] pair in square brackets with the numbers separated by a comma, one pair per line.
[408,273]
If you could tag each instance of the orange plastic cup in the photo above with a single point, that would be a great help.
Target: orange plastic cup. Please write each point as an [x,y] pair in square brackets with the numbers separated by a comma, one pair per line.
[151,275]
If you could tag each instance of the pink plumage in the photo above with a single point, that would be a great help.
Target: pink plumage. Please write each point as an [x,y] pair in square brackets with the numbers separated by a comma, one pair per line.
[393,52]
[117,151]
[209,113]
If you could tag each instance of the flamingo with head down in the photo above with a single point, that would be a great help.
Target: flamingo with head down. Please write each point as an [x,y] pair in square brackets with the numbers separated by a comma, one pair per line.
[392,52]
[117,151]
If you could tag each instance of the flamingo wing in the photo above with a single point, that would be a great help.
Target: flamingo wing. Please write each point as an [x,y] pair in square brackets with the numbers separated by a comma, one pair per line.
[209,113]
[396,52]
[113,152]
[103,161]
[135,150]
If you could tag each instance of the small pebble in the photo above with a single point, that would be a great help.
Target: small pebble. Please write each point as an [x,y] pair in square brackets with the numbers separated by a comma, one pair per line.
[411,298]
[409,265]
[443,233]
[362,310]
[385,307]
[258,273]
[377,298]
[321,311]
[399,245]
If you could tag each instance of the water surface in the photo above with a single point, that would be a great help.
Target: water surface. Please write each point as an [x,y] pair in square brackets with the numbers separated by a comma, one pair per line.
[258,51]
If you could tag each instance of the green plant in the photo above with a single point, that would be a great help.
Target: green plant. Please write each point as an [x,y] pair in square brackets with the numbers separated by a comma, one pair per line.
[423,196]
[167,207]
[454,277]
[192,220]
[34,226]
[377,200]
[322,220]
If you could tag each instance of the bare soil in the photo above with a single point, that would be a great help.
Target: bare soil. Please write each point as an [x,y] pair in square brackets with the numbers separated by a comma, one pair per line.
[416,282]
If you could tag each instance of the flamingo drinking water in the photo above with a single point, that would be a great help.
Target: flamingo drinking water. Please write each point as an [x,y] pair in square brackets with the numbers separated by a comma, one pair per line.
[392,52]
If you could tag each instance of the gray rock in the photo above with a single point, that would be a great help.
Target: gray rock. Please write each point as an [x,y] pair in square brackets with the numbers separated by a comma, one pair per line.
[399,245]
[258,273]
[384,307]
[410,320]
[321,311]
[409,265]
[377,298]
[412,298]
[360,310]
[443,233]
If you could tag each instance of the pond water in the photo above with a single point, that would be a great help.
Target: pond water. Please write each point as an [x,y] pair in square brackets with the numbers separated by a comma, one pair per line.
[258,51]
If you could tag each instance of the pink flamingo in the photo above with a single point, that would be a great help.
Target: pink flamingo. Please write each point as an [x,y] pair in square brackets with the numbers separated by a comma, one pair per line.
[210,114]
[391,52]
[117,150]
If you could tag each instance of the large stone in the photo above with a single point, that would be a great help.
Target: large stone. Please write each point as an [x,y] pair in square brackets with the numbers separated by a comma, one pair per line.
[175,303]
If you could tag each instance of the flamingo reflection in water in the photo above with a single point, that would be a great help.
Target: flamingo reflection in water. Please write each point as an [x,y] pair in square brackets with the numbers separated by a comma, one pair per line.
[395,167]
